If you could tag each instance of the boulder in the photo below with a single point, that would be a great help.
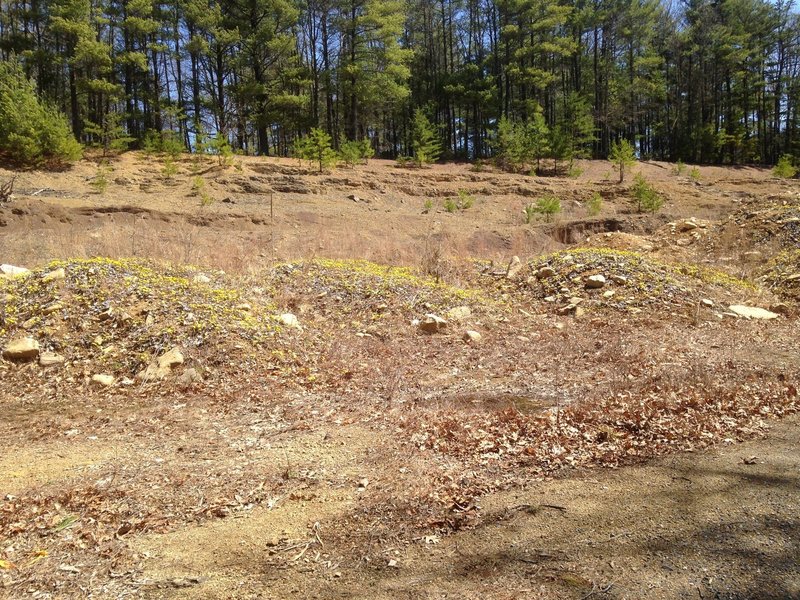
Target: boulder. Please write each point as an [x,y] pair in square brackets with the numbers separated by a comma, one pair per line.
[458,313]
[162,366]
[24,348]
[752,312]
[103,380]
[514,267]
[595,281]
[190,376]
[289,320]
[13,271]
[432,324]
[472,337]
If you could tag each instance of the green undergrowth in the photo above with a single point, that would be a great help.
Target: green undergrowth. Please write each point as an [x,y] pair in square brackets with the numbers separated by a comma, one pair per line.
[352,286]
[125,311]
[635,280]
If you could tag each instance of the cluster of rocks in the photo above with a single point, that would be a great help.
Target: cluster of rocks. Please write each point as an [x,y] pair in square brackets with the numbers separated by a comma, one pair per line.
[688,231]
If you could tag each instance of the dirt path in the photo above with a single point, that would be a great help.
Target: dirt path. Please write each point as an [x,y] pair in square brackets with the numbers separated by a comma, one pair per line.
[717,524]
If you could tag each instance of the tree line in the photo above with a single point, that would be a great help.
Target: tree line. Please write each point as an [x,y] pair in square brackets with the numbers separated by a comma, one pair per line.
[710,81]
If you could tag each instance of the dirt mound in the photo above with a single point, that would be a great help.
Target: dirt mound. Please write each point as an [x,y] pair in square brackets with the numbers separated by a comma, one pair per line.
[782,275]
[119,315]
[603,278]
[760,225]
[355,288]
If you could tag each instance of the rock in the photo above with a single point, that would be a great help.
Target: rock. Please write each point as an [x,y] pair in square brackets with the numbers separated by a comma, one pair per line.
[459,313]
[514,267]
[24,348]
[289,320]
[103,380]
[354,198]
[163,365]
[752,312]
[13,271]
[106,314]
[595,281]
[472,337]
[432,324]
[190,376]
[244,306]
[753,255]
[51,308]
[619,279]
[707,303]
[56,275]
[687,225]
[200,278]
[579,311]
[50,359]
[608,294]
[684,242]
[545,272]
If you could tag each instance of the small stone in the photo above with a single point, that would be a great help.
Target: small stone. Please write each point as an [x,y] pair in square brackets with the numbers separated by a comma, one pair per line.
[687,225]
[24,348]
[200,278]
[707,303]
[354,198]
[684,242]
[579,311]
[432,324]
[56,275]
[289,320]
[50,359]
[363,483]
[608,294]
[619,279]
[753,255]
[51,308]
[472,337]
[459,313]
[103,380]
[106,314]
[190,376]
[244,306]
[595,281]
[545,272]
[752,312]
[550,298]
[514,267]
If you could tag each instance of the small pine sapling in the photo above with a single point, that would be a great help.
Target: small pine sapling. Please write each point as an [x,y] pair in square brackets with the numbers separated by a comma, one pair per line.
[622,155]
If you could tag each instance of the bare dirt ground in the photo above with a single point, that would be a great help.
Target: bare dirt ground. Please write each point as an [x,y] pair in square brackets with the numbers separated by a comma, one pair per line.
[623,441]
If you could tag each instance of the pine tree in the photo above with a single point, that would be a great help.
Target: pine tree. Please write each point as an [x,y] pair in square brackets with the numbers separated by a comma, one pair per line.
[424,140]
[32,132]
[316,147]
[622,155]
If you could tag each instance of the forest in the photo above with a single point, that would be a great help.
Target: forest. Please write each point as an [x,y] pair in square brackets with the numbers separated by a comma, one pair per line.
[703,81]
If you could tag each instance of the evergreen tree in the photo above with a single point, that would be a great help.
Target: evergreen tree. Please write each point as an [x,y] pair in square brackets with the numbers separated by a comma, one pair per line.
[424,140]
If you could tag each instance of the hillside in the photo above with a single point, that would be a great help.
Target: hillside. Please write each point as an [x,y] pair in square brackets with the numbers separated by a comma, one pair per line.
[282,383]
